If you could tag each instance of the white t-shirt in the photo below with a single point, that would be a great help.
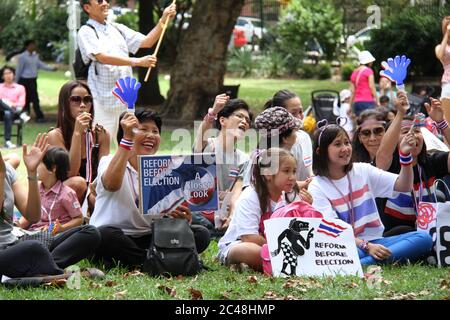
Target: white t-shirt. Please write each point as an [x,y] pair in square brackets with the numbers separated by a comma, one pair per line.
[119,208]
[246,220]
[302,151]
[368,183]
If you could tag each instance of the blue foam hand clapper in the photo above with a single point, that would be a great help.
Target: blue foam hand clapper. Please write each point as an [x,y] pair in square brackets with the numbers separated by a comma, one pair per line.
[396,69]
[127,91]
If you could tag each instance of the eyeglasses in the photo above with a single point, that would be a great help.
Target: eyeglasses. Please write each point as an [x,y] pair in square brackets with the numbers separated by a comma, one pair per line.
[378,131]
[241,117]
[101,1]
[77,100]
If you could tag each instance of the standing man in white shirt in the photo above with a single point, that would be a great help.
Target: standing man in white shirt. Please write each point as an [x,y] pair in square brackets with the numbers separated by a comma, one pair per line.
[108,47]
[26,75]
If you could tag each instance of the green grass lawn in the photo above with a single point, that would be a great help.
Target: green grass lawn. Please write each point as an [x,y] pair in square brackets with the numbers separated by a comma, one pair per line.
[400,282]
[255,91]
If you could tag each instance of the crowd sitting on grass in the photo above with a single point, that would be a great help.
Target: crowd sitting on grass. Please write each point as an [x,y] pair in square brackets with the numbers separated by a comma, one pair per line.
[371,174]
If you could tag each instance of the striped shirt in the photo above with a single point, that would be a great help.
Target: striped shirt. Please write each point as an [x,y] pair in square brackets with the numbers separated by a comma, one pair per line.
[401,204]
[332,198]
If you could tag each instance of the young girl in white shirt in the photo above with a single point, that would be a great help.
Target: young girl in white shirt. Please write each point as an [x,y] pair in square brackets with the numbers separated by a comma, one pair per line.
[273,174]
[347,191]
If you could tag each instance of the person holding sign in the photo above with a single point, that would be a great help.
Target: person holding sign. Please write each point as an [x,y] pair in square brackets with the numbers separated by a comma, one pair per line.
[347,191]
[401,209]
[125,232]
[108,46]
[232,118]
[274,181]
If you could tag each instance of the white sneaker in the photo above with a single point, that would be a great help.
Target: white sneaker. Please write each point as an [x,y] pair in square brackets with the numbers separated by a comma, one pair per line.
[25,118]
[10,145]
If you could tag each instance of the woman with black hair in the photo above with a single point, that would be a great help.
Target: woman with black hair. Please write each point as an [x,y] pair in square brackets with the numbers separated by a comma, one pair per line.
[371,126]
[232,118]
[302,148]
[400,211]
[75,132]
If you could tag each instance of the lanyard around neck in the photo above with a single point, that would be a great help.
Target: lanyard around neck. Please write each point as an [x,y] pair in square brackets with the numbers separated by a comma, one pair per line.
[348,203]
[49,213]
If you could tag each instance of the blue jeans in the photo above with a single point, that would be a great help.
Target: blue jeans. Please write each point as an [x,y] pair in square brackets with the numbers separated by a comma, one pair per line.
[359,107]
[411,245]
[9,115]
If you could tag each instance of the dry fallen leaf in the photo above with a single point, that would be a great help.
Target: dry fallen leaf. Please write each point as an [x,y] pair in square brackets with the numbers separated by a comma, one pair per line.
[252,279]
[195,294]
[58,283]
[110,283]
[444,284]
[168,290]
[134,273]
[352,285]
[225,295]
[290,298]
[94,285]
[120,294]
[270,295]
[180,277]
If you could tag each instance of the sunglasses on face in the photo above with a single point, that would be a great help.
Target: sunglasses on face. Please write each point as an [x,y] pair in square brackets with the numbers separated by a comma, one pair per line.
[375,131]
[77,100]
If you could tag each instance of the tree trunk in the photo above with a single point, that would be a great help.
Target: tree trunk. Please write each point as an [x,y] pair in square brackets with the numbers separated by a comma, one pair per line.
[149,94]
[198,73]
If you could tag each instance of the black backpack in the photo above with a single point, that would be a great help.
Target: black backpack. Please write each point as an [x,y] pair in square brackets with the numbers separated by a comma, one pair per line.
[81,69]
[172,249]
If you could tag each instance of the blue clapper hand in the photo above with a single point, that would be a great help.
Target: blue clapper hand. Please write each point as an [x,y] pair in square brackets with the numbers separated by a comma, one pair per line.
[396,70]
[127,91]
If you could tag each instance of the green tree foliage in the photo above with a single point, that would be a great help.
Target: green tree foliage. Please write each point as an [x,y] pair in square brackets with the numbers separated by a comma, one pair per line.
[303,20]
[414,33]
[50,26]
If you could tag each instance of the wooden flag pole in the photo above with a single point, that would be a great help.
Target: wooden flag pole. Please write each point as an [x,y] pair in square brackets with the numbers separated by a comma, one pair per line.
[158,44]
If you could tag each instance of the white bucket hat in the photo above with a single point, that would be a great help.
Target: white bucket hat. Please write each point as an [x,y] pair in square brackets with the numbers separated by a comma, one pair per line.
[365,57]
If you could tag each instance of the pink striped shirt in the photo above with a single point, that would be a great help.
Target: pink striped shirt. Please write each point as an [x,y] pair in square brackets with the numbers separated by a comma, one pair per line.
[60,202]
[14,93]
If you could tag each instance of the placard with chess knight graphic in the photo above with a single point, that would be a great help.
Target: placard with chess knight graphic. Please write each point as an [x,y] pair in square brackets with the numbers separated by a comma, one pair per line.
[165,182]
[312,247]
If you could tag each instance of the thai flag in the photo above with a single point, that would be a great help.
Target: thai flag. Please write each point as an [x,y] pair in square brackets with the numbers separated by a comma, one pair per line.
[307,161]
[330,229]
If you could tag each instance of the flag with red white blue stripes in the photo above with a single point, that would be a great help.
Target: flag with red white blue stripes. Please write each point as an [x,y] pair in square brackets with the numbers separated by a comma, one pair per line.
[330,229]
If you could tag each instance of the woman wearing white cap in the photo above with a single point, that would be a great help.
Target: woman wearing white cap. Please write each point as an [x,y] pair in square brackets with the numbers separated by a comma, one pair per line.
[364,94]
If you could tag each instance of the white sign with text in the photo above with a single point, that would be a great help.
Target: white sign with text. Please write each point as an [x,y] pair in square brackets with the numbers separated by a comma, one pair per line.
[312,247]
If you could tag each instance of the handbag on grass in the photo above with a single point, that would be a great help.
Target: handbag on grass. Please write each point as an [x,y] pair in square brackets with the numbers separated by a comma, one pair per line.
[172,249]
[43,236]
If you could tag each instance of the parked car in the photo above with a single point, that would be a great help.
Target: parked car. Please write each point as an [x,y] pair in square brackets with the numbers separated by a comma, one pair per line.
[252,28]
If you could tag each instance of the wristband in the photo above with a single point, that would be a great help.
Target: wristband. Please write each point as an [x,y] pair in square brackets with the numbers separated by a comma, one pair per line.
[134,62]
[442,125]
[405,159]
[126,144]
[210,116]
[364,245]
[32,178]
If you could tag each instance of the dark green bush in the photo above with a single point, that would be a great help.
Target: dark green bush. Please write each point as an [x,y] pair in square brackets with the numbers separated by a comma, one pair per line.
[414,33]
[346,70]
[50,28]
[323,71]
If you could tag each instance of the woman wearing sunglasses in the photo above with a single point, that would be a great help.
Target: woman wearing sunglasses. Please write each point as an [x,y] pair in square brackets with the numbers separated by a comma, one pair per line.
[370,130]
[76,133]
